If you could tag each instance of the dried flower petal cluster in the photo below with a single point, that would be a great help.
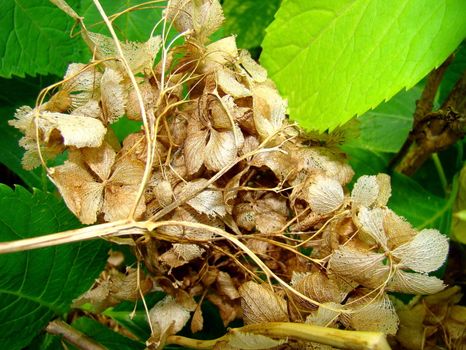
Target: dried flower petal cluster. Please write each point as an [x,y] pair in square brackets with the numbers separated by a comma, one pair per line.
[216,153]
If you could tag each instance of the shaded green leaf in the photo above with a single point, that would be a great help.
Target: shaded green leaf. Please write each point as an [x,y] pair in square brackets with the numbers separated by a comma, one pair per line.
[337,59]
[385,128]
[454,72]
[38,284]
[35,39]
[248,19]
[364,161]
[420,207]
[105,336]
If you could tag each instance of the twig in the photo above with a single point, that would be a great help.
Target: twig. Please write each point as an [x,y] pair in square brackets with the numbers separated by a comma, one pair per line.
[434,131]
[298,331]
[73,336]
[423,107]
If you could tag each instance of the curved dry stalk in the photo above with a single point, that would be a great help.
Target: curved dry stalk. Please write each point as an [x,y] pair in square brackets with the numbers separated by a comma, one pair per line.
[297,331]
[145,120]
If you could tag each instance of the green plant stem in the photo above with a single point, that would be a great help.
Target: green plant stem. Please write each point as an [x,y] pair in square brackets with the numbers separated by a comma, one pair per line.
[298,331]
[440,172]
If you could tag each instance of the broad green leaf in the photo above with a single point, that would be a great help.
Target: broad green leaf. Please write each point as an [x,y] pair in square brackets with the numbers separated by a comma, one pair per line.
[38,284]
[105,336]
[336,59]
[420,207]
[134,25]
[248,19]
[385,128]
[35,39]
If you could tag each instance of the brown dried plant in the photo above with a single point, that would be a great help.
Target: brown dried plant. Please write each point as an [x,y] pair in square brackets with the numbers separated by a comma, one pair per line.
[216,184]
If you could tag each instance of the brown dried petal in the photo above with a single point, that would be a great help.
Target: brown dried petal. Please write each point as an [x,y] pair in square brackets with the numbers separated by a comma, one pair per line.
[365,191]
[385,189]
[100,160]
[112,95]
[425,253]
[140,56]
[181,254]
[245,216]
[220,151]
[397,229]
[253,69]
[323,159]
[319,287]
[220,53]
[90,109]
[197,323]
[372,226]
[168,317]
[325,195]
[127,171]
[194,150]
[119,200]
[81,193]
[364,267]
[269,110]
[202,17]
[325,315]
[78,131]
[227,81]
[226,285]
[260,304]
[281,164]
[374,316]
[82,80]
[415,283]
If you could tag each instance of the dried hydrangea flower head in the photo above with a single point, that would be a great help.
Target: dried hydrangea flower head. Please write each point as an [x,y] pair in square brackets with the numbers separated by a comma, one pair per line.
[217,157]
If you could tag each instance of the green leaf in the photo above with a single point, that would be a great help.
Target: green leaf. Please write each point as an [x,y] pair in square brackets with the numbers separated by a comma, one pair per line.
[337,59]
[35,39]
[454,72]
[133,25]
[248,19]
[420,207]
[385,128]
[105,336]
[38,284]
[124,126]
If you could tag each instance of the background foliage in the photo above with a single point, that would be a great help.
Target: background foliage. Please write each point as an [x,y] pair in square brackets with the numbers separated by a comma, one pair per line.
[332,59]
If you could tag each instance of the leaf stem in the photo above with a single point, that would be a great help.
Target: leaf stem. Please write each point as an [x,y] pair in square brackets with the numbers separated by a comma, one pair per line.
[440,172]
[297,331]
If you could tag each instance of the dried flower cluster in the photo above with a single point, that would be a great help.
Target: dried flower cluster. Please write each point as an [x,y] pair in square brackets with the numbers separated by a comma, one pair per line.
[216,153]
